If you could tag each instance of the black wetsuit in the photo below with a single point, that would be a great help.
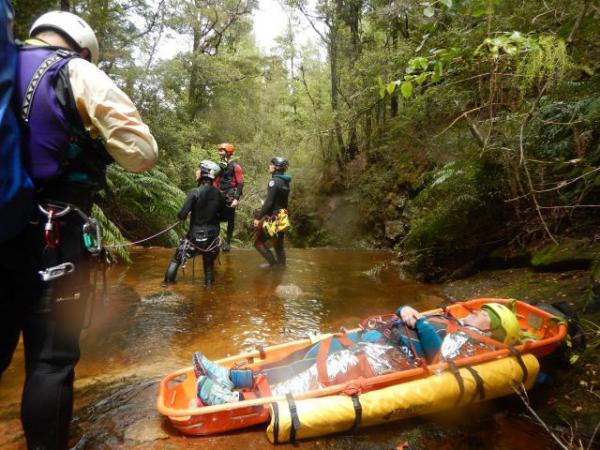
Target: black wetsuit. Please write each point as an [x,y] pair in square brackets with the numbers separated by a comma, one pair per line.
[231,184]
[206,204]
[277,198]
[49,314]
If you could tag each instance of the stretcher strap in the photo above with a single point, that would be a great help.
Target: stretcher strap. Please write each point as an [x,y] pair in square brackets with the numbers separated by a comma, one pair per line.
[294,416]
[323,353]
[418,359]
[461,383]
[275,423]
[480,389]
[357,412]
[517,355]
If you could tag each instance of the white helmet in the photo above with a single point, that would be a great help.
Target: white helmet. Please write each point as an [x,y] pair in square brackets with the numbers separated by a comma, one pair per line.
[209,169]
[71,25]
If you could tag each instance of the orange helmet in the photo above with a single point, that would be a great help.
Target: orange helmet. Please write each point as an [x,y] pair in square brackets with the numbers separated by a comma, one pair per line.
[229,148]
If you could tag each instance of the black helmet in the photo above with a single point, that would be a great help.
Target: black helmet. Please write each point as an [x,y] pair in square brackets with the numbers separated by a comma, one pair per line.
[209,169]
[280,163]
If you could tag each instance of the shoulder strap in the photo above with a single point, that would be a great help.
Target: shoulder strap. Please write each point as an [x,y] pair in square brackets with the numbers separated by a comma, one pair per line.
[54,58]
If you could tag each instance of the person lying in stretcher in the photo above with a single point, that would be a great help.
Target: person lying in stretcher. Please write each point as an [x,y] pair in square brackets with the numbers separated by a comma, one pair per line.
[402,343]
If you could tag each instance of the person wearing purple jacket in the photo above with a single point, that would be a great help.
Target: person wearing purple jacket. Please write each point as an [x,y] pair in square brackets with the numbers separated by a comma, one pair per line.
[75,122]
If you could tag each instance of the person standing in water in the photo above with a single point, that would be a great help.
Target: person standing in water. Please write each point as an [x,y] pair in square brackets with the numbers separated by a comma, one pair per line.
[275,205]
[231,184]
[206,204]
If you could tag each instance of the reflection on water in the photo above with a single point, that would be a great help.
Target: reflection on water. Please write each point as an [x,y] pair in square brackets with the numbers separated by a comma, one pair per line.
[144,331]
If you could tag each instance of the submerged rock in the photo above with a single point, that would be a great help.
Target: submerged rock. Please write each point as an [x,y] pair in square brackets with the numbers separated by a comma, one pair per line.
[162,298]
[146,430]
[288,291]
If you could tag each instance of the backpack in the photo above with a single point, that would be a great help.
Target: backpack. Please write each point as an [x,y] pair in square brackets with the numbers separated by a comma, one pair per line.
[16,187]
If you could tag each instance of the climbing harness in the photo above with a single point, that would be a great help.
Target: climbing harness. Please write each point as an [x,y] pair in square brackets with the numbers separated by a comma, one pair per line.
[91,235]
[187,250]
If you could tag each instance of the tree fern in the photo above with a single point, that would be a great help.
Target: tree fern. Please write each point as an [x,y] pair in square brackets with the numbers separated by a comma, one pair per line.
[542,59]
[111,235]
[142,204]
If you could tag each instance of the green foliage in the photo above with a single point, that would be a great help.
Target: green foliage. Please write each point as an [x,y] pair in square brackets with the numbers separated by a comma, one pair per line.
[439,102]
[462,195]
[143,204]
[556,135]
[112,237]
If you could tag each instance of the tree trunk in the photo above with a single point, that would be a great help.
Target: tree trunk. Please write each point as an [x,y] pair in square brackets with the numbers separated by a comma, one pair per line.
[333,36]
[194,88]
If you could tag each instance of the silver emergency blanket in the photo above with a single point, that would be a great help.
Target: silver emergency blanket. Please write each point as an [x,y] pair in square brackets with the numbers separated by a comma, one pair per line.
[381,358]
[452,344]
[461,344]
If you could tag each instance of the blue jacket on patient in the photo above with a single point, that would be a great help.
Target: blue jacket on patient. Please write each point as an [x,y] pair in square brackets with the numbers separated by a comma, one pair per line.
[425,339]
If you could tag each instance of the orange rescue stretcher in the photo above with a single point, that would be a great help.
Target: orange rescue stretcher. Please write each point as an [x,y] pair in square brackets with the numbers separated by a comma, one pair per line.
[365,401]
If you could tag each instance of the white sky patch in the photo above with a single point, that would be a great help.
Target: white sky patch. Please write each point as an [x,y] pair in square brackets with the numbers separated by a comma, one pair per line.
[270,21]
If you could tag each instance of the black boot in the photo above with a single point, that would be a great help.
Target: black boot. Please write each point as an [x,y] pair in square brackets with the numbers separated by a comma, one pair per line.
[266,253]
[171,273]
[208,263]
[280,253]
[229,236]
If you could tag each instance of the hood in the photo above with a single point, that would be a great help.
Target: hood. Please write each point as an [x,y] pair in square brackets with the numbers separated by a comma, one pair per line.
[284,177]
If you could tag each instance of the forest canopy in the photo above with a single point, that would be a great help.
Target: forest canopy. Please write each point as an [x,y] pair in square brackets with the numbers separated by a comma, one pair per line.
[445,129]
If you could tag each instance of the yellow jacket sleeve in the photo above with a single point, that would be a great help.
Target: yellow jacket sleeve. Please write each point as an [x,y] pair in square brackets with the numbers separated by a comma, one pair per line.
[107,112]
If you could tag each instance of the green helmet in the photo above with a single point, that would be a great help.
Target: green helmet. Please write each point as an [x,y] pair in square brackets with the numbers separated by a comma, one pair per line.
[504,325]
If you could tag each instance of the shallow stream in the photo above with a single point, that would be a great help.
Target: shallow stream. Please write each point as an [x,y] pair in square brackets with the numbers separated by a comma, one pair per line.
[141,332]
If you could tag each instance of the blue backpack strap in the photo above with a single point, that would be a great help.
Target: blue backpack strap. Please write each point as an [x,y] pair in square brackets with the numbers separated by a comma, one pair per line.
[16,187]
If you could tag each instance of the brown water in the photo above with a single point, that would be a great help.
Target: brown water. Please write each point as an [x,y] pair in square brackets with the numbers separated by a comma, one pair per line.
[144,332]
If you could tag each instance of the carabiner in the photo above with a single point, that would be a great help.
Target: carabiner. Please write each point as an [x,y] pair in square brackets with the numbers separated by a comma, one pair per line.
[52,273]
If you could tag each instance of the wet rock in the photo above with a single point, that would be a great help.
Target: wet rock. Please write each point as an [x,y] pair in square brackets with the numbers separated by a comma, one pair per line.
[288,291]
[568,254]
[146,430]
[505,258]
[395,229]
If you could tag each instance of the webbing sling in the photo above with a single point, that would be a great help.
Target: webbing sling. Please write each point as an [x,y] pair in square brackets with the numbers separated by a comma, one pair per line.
[480,388]
[357,412]
[295,422]
[517,355]
[461,383]
[275,423]
[323,353]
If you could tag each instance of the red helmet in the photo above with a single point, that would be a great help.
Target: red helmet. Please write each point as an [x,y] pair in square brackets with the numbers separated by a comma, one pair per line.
[229,148]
